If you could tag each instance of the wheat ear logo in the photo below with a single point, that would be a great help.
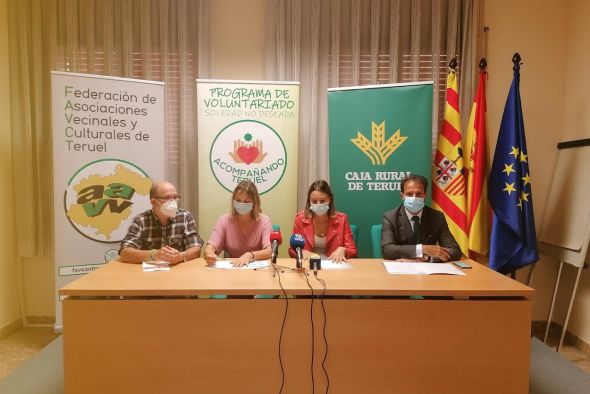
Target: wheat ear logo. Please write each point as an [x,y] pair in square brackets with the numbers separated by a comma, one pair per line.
[377,149]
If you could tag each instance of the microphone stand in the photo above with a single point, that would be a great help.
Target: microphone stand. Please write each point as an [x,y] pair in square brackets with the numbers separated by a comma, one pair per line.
[299,259]
[273,256]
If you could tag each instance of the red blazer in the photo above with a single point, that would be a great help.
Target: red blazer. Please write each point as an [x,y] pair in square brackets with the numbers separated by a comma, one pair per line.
[338,234]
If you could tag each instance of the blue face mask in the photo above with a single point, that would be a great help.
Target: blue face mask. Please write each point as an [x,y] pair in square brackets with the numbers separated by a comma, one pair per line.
[319,209]
[243,208]
[414,204]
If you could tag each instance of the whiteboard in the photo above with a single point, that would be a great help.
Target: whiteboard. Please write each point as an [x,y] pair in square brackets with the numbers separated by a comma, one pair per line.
[565,232]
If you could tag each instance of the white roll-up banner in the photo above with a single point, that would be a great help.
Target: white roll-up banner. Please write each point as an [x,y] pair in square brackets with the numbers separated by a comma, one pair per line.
[248,130]
[108,145]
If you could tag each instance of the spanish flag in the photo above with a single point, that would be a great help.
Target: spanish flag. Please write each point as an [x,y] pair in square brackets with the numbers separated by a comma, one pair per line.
[448,179]
[476,164]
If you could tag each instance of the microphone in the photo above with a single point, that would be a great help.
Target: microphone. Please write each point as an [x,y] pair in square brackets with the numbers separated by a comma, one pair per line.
[315,262]
[297,243]
[275,240]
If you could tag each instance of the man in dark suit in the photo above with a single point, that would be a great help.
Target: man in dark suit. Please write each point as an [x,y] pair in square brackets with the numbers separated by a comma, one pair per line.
[414,232]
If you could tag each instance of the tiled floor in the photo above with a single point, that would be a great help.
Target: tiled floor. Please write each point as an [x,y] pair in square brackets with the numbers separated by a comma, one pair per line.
[21,345]
[18,347]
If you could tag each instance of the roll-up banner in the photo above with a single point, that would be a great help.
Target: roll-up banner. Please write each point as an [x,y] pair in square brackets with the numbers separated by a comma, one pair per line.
[108,145]
[378,134]
[248,130]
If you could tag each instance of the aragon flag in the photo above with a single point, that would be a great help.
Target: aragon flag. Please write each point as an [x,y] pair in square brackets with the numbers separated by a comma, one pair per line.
[476,164]
[448,179]
[513,241]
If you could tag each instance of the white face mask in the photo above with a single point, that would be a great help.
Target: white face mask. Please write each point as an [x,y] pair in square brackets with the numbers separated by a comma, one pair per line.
[243,208]
[414,204]
[319,209]
[169,208]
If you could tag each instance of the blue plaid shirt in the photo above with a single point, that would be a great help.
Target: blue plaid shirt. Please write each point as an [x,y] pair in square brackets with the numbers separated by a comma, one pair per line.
[146,232]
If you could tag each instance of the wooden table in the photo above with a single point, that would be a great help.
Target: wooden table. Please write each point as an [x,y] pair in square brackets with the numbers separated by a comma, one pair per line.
[128,331]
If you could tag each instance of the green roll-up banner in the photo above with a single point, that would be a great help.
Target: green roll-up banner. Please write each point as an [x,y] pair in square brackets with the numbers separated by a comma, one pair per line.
[378,134]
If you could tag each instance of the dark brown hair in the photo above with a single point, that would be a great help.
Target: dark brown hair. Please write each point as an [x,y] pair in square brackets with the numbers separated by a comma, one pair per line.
[415,178]
[324,187]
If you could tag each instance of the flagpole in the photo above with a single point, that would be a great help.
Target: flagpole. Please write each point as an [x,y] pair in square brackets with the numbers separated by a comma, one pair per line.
[516,59]
[483,63]
[453,64]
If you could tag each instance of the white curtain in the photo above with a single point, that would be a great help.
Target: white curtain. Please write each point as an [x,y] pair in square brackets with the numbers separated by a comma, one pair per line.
[334,43]
[162,40]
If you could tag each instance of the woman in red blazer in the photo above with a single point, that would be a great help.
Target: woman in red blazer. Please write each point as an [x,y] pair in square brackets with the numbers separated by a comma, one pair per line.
[326,231]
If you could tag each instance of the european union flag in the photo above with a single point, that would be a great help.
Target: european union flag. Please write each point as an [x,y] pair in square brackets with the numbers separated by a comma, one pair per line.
[513,241]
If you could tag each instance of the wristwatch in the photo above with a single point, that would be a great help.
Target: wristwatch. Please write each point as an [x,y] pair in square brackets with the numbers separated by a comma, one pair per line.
[153,254]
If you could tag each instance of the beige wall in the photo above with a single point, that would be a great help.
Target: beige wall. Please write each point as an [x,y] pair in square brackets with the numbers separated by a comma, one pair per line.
[576,125]
[38,290]
[9,264]
[237,39]
[554,82]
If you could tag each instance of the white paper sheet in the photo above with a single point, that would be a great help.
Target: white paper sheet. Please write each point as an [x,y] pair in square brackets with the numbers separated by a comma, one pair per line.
[253,265]
[330,265]
[155,266]
[397,268]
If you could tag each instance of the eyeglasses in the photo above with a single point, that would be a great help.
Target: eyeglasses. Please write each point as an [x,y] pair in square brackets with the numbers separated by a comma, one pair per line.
[165,199]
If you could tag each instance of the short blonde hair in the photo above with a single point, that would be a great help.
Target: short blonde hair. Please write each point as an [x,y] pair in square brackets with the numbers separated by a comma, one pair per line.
[249,188]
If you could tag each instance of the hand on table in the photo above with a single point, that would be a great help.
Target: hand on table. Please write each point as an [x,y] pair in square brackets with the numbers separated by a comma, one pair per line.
[169,255]
[242,260]
[339,255]
[436,251]
[210,258]
[413,260]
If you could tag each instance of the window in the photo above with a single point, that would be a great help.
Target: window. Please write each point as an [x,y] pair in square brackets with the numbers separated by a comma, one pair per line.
[162,67]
